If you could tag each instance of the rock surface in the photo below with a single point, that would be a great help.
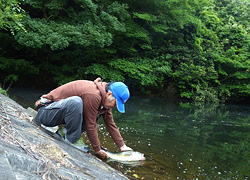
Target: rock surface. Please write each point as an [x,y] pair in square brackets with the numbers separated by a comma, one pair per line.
[28,153]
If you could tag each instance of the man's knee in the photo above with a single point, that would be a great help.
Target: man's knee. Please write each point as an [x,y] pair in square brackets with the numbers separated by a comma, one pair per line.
[75,102]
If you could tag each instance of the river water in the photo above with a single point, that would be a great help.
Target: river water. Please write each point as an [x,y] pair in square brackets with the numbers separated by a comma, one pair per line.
[180,140]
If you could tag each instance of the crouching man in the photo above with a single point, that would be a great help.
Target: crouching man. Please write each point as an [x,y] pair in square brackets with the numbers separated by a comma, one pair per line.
[78,105]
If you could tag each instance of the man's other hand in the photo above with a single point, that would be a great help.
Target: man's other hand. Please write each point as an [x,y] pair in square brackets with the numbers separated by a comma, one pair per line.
[102,154]
[125,148]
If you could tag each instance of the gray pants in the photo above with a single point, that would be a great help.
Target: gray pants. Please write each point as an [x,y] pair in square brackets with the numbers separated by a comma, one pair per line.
[66,111]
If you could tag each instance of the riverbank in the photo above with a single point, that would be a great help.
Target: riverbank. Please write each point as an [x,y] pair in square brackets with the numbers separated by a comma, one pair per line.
[26,152]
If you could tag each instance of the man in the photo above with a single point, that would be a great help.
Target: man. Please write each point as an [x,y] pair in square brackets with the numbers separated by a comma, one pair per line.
[78,105]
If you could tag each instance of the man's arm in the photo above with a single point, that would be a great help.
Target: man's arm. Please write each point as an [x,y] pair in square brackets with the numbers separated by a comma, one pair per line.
[90,111]
[114,131]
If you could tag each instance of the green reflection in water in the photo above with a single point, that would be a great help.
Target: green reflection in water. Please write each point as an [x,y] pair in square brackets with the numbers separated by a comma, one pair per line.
[183,140]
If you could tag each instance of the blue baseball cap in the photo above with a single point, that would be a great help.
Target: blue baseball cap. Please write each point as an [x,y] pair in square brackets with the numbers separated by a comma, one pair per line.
[121,93]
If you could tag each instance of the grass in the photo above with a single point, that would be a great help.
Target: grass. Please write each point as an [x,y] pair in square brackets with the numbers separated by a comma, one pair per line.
[2,91]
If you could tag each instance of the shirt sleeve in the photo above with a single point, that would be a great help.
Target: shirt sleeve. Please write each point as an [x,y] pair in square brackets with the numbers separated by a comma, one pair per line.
[112,128]
[62,92]
[91,104]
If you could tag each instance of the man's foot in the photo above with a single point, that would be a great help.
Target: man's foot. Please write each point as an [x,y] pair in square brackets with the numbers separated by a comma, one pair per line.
[60,133]
[78,144]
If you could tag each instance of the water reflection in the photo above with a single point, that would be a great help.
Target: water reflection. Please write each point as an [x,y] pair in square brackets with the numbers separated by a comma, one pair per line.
[184,140]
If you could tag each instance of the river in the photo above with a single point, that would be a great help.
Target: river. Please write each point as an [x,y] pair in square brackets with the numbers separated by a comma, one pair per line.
[180,140]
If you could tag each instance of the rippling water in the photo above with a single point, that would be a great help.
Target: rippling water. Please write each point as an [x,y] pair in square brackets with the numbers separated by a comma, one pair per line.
[182,140]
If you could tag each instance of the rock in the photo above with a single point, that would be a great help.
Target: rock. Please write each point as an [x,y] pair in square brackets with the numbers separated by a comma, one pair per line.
[27,152]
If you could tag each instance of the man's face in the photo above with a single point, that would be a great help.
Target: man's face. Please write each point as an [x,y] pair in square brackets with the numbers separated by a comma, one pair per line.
[110,101]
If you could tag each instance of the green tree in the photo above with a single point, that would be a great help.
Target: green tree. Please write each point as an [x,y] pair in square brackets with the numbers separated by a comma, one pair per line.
[198,49]
[11,15]
[63,37]
[232,62]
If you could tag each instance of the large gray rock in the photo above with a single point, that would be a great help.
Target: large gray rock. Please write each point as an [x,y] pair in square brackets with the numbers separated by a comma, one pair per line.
[28,153]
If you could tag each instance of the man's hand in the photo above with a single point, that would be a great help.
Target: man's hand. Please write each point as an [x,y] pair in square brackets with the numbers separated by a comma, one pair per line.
[37,103]
[125,148]
[102,154]
[42,101]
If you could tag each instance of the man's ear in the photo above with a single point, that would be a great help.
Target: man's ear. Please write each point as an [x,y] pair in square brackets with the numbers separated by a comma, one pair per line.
[109,93]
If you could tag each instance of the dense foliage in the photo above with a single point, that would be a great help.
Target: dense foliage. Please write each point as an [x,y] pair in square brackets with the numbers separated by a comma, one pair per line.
[197,49]
[11,15]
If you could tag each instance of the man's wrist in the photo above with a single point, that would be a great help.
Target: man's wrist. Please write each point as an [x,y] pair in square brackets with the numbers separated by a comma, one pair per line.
[122,146]
[97,149]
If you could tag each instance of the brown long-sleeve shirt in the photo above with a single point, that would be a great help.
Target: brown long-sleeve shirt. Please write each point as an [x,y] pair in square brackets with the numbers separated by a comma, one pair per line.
[93,95]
